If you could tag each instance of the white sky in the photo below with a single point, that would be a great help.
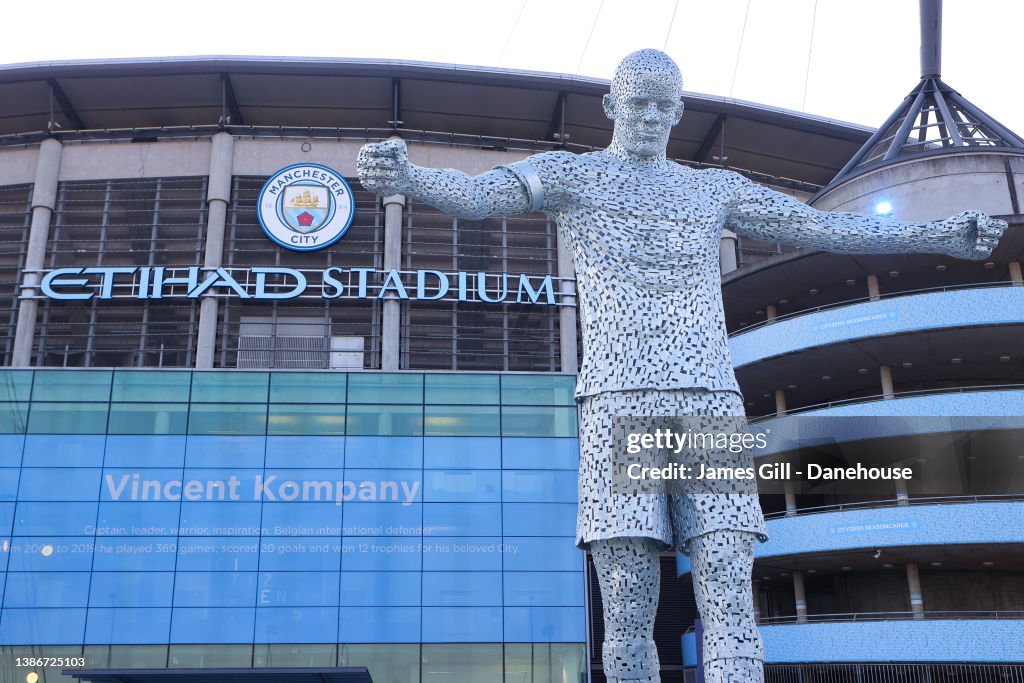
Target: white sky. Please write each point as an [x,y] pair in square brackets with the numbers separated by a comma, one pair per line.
[857,64]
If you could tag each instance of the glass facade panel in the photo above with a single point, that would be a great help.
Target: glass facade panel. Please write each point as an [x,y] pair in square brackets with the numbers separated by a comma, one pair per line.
[227,418]
[538,390]
[554,421]
[130,626]
[68,418]
[385,388]
[472,390]
[148,418]
[462,420]
[389,663]
[305,451]
[384,451]
[230,387]
[462,452]
[155,387]
[60,385]
[15,385]
[72,450]
[294,419]
[228,536]
[288,656]
[385,420]
[13,418]
[308,387]
[462,664]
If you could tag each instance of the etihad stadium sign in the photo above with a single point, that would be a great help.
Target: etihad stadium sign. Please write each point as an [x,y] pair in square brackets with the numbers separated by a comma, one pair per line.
[277,283]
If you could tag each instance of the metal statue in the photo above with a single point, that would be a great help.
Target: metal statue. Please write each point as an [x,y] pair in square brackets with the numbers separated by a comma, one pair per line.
[644,235]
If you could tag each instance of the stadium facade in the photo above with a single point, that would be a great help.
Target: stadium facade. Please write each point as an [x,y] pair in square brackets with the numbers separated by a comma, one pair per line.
[220,452]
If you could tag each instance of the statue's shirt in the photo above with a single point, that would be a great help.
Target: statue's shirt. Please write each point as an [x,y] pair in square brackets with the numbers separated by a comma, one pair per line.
[645,245]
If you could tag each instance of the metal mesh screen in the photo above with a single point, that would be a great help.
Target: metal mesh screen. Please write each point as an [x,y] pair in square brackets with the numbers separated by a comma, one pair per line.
[478,336]
[149,222]
[299,322]
[15,219]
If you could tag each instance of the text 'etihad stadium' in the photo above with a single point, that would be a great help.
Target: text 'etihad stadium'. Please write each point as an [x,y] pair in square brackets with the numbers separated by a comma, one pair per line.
[276,283]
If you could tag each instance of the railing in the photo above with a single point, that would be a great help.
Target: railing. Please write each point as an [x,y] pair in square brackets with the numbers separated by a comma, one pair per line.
[939,672]
[881,397]
[890,616]
[897,502]
[848,617]
[860,300]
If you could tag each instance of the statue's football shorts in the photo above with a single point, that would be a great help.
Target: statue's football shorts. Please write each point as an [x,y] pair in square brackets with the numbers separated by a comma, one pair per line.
[610,512]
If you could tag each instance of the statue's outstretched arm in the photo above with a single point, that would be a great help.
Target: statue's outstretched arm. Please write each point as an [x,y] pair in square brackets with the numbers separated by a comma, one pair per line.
[771,216]
[384,168]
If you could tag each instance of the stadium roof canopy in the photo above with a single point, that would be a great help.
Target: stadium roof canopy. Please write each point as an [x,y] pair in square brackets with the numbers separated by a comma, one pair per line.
[153,98]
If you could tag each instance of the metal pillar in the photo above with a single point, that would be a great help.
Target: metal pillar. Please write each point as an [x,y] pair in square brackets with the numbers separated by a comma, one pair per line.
[885,374]
[727,253]
[931,38]
[800,594]
[914,583]
[789,490]
[44,199]
[1015,274]
[217,197]
[391,330]
[567,351]
[780,401]
[771,312]
[873,292]
[755,590]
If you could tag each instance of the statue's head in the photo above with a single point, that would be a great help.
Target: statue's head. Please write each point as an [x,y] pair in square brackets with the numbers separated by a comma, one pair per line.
[645,102]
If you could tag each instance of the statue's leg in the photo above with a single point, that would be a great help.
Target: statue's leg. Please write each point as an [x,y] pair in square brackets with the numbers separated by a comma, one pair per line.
[629,572]
[721,564]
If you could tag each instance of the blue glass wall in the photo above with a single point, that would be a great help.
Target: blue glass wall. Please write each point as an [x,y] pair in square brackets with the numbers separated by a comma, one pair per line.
[175,507]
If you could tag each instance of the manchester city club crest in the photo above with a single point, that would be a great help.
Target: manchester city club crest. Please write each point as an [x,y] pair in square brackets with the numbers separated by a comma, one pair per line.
[305,207]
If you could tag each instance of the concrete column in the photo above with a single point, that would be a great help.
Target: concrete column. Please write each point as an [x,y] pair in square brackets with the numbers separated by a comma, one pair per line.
[873,292]
[801,597]
[914,583]
[780,401]
[789,490]
[566,314]
[391,327]
[1015,274]
[885,374]
[218,194]
[902,496]
[44,200]
[771,312]
[727,260]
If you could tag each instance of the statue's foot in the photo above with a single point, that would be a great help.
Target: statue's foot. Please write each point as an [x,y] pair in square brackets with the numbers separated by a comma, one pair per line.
[734,670]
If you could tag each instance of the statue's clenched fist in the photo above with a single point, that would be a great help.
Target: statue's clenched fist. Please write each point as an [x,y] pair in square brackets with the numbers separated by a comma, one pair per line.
[973,234]
[384,167]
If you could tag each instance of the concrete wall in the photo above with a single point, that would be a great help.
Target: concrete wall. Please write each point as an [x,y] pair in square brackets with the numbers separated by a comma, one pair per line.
[933,187]
[182,158]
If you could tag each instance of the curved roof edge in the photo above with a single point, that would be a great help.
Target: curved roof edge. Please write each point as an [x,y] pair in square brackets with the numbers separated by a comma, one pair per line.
[353,66]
